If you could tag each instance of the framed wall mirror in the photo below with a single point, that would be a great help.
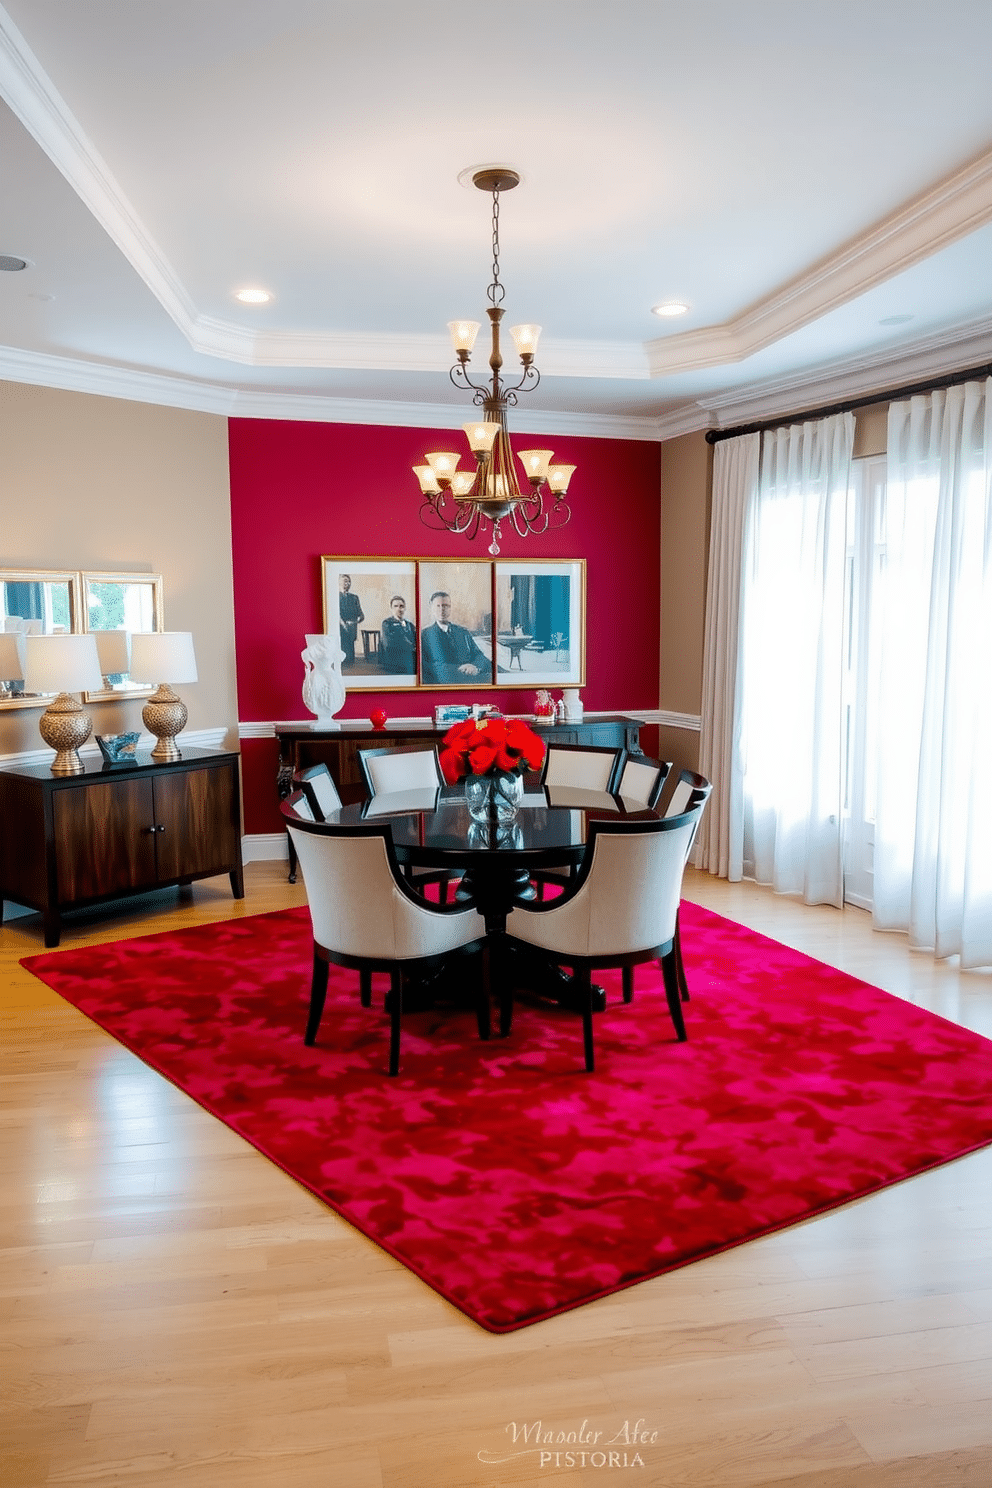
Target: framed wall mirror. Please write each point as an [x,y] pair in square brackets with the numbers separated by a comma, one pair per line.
[114,607]
[32,602]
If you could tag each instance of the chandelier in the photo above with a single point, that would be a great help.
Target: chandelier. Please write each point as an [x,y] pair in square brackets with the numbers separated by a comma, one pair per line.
[467,501]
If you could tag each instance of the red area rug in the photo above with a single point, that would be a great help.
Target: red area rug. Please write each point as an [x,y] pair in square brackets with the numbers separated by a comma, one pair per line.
[504,1176]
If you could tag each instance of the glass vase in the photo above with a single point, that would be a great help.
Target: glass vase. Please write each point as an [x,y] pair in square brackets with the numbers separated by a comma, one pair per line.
[493,797]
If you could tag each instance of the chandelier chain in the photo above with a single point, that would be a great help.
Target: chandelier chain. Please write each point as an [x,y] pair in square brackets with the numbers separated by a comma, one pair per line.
[496,291]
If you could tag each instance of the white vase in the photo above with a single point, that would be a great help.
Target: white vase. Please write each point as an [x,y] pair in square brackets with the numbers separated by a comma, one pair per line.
[323,687]
[573,705]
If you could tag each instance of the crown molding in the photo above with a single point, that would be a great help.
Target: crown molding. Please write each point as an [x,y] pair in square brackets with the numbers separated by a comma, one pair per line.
[956,206]
[30,95]
[73,375]
[929,357]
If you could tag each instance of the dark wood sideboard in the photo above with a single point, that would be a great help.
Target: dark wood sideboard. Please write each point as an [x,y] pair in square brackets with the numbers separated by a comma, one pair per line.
[302,745]
[72,840]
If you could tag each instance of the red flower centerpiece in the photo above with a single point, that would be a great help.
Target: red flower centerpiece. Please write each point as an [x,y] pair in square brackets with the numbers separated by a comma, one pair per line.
[491,755]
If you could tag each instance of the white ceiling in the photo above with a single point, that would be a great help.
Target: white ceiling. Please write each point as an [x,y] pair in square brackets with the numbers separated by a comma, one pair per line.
[800,174]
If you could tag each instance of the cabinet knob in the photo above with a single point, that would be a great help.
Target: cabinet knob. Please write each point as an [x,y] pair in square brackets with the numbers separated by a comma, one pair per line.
[156,828]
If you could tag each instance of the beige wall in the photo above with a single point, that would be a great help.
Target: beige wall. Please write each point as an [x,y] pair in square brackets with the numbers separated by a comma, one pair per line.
[686,466]
[100,483]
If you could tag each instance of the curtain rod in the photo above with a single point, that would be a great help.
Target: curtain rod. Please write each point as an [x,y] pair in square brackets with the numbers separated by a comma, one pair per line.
[714,436]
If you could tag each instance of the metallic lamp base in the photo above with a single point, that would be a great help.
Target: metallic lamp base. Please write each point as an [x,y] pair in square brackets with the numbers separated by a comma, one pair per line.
[65,727]
[165,715]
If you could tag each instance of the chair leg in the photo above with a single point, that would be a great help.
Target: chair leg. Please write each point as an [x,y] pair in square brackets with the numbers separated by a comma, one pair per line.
[583,981]
[679,963]
[670,974]
[396,1006]
[482,1007]
[318,996]
[628,983]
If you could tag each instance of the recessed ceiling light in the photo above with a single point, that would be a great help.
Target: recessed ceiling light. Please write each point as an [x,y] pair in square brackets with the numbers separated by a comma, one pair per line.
[670,308]
[896,319]
[253,296]
[11,264]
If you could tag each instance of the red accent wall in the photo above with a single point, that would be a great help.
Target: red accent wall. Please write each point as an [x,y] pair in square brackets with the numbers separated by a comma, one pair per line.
[296,493]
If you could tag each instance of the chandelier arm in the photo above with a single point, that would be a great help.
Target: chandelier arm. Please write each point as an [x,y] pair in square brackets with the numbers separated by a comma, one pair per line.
[431,515]
[463,382]
[531,376]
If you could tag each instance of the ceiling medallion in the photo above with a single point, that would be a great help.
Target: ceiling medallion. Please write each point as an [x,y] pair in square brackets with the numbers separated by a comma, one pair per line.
[467,501]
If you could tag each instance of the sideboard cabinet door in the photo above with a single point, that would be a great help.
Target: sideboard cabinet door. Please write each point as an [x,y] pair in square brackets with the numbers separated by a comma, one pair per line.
[105,840]
[197,818]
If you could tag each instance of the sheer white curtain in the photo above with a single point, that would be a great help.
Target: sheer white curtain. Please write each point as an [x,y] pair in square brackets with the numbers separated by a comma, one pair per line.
[791,673]
[933,600]
[720,843]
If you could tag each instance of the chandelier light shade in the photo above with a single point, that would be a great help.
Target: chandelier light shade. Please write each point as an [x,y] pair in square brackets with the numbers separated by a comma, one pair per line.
[63,664]
[473,500]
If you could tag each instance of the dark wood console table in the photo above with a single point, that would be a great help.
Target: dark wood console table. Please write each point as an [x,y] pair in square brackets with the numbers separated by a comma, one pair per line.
[70,840]
[305,744]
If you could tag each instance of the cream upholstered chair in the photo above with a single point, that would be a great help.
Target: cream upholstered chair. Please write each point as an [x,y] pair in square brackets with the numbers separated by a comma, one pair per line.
[579,767]
[402,769]
[318,786]
[396,772]
[691,789]
[621,910]
[642,779]
[364,915]
[586,766]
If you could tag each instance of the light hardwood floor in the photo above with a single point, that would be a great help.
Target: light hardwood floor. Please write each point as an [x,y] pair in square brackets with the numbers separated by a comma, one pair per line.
[176,1311]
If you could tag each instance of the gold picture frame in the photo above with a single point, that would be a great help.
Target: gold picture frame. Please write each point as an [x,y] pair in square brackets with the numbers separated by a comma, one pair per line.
[511,623]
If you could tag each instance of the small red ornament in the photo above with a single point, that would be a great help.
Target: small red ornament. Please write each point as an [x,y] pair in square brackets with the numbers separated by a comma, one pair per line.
[378,718]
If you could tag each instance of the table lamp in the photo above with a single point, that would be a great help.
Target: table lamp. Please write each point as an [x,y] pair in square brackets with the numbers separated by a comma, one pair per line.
[155,655]
[64,664]
[11,662]
[113,651]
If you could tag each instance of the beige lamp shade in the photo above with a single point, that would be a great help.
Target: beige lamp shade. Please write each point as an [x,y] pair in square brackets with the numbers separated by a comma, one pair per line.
[444,463]
[11,658]
[480,436]
[525,339]
[535,463]
[463,333]
[113,651]
[163,656]
[61,663]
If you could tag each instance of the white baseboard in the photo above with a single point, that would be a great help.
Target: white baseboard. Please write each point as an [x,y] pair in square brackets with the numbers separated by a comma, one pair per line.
[265,847]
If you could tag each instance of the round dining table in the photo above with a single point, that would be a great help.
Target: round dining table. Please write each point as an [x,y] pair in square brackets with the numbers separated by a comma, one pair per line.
[433,829]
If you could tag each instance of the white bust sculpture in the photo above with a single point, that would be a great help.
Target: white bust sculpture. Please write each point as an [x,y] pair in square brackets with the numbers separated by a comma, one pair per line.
[323,687]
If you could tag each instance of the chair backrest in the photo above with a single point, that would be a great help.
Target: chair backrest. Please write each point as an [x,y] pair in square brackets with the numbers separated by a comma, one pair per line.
[299,804]
[319,789]
[691,790]
[627,891]
[402,769]
[587,766]
[642,779]
[359,903]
